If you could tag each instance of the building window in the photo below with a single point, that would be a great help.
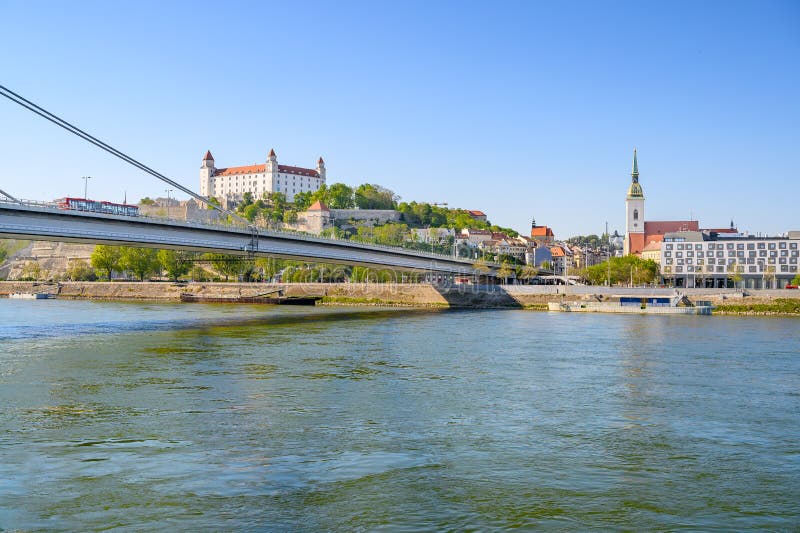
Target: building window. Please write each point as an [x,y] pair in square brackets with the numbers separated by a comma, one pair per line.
[635,214]
[782,246]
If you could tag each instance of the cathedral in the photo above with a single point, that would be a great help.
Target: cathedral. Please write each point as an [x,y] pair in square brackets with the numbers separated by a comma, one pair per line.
[640,232]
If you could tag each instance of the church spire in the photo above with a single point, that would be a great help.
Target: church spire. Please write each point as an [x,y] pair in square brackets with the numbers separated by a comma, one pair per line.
[635,190]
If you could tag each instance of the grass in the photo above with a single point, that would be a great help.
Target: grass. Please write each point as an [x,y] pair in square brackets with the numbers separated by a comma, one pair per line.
[780,306]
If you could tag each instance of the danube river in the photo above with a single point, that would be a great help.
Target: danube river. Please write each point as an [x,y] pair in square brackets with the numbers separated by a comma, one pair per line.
[165,416]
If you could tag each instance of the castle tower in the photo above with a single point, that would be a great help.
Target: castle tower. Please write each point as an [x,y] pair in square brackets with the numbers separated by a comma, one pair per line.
[206,175]
[321,168]
[634,214]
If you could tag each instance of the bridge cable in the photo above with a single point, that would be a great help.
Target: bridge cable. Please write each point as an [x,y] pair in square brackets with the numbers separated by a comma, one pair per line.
[58,121]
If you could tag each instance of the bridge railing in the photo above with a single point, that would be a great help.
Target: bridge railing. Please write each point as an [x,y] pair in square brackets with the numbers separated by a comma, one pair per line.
[267,232]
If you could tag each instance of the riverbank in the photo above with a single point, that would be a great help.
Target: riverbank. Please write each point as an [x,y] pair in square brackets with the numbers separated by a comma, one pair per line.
[728,301]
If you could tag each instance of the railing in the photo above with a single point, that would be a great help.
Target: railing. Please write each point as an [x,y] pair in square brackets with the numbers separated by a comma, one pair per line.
[265,232]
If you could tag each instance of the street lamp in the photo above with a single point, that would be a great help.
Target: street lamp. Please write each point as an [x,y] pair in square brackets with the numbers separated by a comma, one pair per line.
[168,191]
[85,185]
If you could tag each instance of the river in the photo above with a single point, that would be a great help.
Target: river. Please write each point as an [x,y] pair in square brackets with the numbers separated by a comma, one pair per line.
[152,417]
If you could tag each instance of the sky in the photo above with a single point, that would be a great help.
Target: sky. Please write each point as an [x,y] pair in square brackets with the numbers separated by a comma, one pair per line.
[519,109]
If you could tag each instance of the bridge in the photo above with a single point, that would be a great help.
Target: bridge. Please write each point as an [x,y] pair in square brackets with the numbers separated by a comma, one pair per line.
[39,221]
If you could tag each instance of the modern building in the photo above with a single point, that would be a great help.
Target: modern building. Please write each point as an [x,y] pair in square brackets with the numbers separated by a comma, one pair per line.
[710,259]
[228,185]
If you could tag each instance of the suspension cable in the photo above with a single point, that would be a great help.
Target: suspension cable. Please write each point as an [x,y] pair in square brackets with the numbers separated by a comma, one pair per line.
[58,121]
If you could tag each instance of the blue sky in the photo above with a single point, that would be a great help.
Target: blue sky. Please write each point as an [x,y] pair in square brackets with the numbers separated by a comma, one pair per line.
[519,109]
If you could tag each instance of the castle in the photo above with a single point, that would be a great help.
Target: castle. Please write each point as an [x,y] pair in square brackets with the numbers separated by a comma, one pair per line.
[228,185]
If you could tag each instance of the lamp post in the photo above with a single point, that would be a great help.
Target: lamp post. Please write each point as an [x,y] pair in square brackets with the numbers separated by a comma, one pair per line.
[85,185]
[167,191]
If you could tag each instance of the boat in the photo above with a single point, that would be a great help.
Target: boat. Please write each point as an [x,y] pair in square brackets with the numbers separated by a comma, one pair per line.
[31,295]
[638,305]
[279,300]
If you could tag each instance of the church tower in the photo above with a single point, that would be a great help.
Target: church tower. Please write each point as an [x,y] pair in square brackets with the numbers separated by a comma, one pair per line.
[207,175]
[634,213]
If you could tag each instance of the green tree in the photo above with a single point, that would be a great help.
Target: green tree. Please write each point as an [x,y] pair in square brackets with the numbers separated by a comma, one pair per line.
[3,252]
[80,271]
[230,265]
[340,196]
[106,258]
[175,263]
[142,262]
[371,196]
[250,212]
[31,271]
[303,200]
[147,201]
[528,272]
[796,280]
[504,272]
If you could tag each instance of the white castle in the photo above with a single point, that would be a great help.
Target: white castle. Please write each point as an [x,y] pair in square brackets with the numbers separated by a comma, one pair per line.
[229,184]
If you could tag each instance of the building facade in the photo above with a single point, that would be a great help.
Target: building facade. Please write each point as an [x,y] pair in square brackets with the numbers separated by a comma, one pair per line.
[709,259]
[228,185]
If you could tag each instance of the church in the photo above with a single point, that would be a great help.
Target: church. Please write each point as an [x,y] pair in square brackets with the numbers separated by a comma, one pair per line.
[640,232]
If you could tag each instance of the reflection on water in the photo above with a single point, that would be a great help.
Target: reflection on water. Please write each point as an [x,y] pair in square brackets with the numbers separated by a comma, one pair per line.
[153,417]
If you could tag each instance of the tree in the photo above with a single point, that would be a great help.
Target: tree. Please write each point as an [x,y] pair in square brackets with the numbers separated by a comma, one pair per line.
[735,271]
[480,266]
[230,265]
[528,272]
[504,272]
[371,196]
[143,262]
[80,271]
[303,200]
[147,201]
[174,263]
[3,253]
[340,196]
[796,280]
[769,274]
[31,271]
[106,258]
[623,270]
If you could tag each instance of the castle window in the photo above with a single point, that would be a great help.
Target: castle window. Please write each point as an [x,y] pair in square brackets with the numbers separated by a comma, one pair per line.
[635,214]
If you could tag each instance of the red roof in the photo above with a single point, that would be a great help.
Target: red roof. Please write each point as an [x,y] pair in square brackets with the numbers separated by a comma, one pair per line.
[653,246]
[476,213]
[254,169]
[321,161]
[668,226]
[208,156]
[272,152]
[541,231]
[298,170]
[557,251]
[318,206]
[230,171]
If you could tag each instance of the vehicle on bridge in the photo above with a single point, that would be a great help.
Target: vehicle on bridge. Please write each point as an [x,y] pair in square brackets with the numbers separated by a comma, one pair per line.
[83,204]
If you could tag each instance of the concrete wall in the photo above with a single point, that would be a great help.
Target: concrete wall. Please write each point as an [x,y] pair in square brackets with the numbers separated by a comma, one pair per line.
[364,293]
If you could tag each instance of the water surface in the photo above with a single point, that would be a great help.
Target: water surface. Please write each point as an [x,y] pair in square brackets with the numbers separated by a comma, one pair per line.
[133,416]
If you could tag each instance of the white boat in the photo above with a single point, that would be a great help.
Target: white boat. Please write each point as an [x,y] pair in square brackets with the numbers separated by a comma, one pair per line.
[647,305]
[31,295]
